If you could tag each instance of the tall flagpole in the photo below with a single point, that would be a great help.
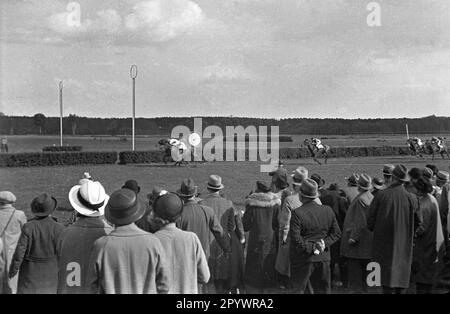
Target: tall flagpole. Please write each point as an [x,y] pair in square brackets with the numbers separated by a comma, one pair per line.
[133,74]
[61,112]
[407,131]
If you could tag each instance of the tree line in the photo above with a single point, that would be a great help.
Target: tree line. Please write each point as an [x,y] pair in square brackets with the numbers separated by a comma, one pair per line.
[76,125]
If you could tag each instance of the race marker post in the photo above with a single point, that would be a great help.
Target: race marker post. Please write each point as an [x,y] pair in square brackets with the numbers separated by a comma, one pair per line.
[407,131]
[133,74]
[61,113]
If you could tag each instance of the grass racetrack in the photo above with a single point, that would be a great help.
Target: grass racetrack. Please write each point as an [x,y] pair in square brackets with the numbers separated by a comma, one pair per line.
[238,177]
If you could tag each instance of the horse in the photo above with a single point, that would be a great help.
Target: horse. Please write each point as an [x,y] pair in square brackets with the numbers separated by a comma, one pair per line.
[169,145]
[415,148]
[314,151]
[433,148]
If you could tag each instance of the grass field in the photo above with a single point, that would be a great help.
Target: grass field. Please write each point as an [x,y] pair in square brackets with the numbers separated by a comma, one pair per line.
[33,143]
[239,177]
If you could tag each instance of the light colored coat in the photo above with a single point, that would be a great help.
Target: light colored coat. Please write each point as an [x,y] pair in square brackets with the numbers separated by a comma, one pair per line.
[282,264]
[10,238]
[128,260]
[186,259]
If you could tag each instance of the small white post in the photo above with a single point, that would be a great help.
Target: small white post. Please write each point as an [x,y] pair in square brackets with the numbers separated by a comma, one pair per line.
[407,131]
[133,74]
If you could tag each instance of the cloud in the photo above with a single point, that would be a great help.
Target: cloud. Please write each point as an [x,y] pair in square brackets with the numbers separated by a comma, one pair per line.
[153,21]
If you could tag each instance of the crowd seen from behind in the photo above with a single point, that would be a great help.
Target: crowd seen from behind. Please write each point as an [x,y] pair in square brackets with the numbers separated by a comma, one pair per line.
[294,235]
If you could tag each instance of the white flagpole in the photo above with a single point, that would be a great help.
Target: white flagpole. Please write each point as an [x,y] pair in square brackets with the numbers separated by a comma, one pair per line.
[61,112]
[133,74]
[407,131]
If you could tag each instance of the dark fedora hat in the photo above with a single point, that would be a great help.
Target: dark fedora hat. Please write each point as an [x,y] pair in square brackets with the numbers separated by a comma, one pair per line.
[188,188]
[262,186]
[132,185]
[320,182]
[353,179]
[400,173]
[388,169]
[168,206]
[123,207]
[43,205]
[365,182]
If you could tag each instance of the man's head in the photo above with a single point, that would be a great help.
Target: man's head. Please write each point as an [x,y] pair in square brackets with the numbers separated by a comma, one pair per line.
[214,184]
[188,189]
[387,172]
[309,191]
[400,174]
[280,179]
[167,208]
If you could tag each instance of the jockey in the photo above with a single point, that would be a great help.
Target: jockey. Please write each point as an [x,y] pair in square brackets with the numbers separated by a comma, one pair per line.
[317,143]
[178,144]
[418,141]
[437,141]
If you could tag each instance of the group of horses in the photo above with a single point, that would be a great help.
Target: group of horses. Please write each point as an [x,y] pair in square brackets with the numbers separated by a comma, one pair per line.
[428,148]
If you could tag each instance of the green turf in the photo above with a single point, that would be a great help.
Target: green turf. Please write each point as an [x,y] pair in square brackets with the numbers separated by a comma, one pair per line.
[239,177]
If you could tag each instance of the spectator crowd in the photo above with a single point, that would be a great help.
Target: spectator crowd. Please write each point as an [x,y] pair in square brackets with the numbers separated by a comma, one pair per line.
[295,235]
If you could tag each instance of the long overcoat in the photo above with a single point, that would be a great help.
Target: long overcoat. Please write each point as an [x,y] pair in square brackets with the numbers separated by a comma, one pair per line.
[393,218]
[261,251]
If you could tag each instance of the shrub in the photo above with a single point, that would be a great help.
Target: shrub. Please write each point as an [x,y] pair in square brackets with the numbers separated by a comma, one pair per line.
[57,159]
[62,149]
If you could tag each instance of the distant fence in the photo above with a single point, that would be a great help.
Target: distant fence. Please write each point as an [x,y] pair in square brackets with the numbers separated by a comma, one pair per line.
[142,157]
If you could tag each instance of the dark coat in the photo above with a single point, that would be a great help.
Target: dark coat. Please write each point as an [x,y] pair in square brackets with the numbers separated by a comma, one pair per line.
[74,248]
[219,263]
[355,227]
[35,257]
[261,251]
[425,254]
[202,221]
[444,208]
[309,224]
[393,217]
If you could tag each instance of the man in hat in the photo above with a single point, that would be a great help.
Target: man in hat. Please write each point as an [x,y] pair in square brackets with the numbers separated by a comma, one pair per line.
[351,190]
[89,201]
[443,181]
[291,202]
[128,260]
[313,230]
[35,258]
[393,218]
[226,274]
[11,223]
[184,253]
[260,207]
[378,185]
[280,186]
[201,220]
[332,198]
[356,242]
[387,173]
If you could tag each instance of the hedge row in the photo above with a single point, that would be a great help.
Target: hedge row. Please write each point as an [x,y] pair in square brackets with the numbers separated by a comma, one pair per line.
[141,157]
[62,149]
[57,159]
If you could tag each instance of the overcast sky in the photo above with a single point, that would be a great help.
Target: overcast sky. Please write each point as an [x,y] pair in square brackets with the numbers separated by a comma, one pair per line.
[257,58]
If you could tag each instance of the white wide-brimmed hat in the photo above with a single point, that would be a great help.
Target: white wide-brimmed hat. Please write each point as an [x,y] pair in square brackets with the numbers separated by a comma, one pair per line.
[89,198]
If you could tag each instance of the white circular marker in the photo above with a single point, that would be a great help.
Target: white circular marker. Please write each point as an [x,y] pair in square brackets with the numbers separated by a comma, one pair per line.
[194,139]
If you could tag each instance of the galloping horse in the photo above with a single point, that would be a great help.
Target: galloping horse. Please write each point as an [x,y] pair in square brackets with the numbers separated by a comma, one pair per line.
[173,145]
[433,148]
[315,152]
[415,148]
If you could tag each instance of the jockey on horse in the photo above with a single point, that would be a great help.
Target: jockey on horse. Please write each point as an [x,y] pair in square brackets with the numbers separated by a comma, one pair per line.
[173,147]
[416,145]
[317,143]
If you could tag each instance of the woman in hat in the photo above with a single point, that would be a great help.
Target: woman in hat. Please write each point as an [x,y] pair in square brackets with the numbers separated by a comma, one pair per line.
[184,253]
[11,223]
[259,212]
[128,260]
[356,242]
[35,258]
[427,253]
[88,200]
